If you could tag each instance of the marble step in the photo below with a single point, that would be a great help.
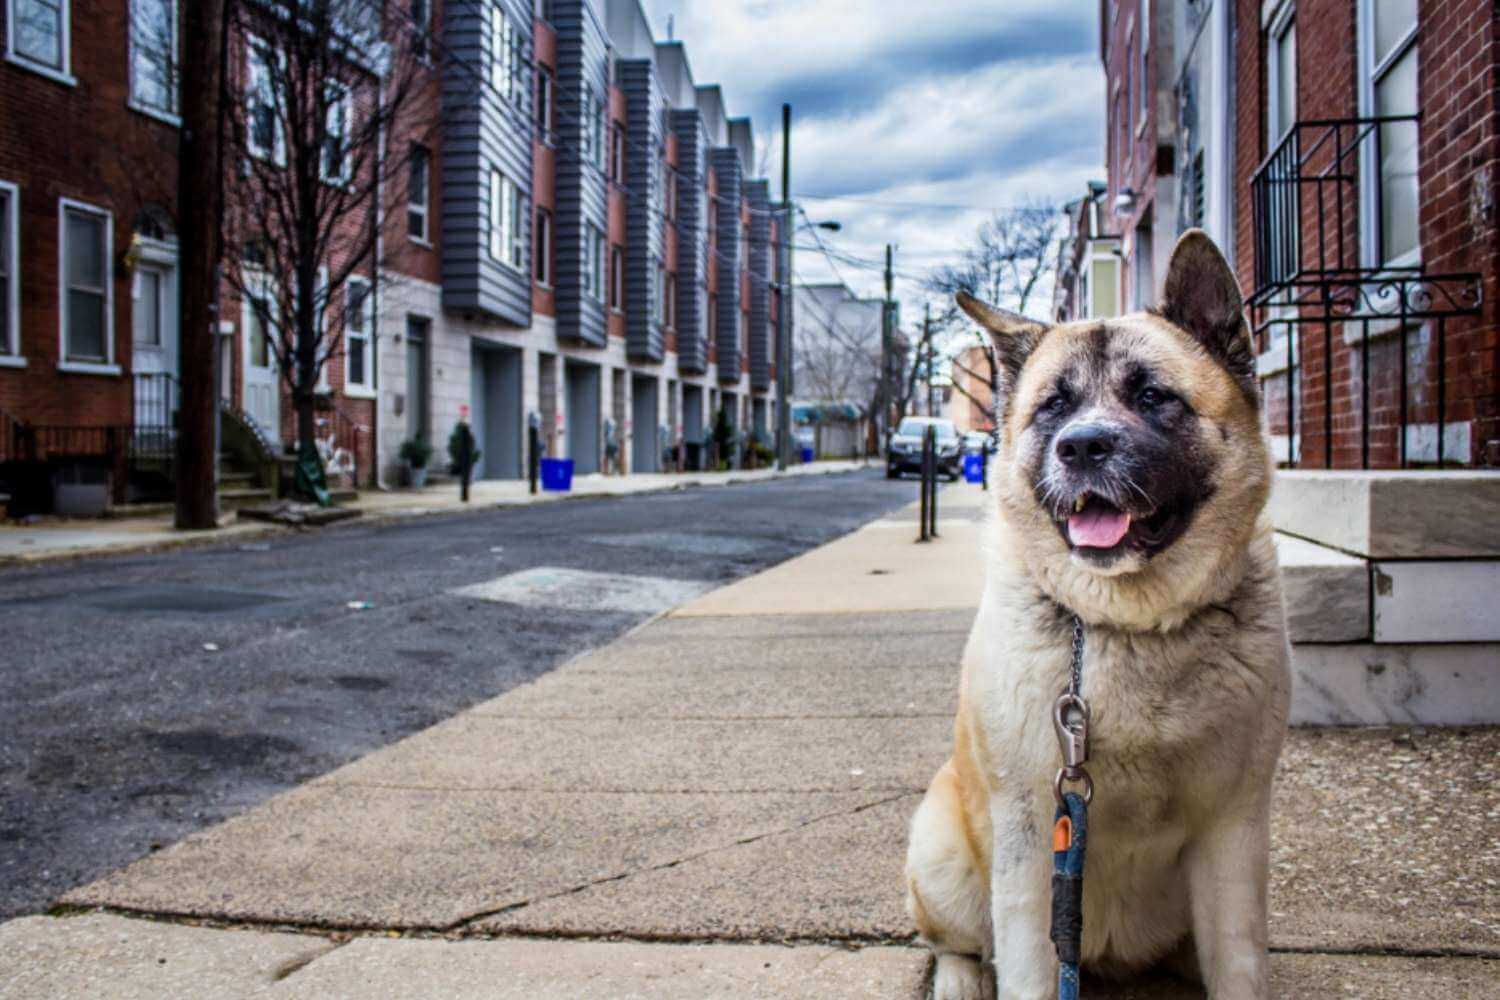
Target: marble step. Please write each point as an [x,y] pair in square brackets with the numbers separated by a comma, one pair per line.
[1392,514]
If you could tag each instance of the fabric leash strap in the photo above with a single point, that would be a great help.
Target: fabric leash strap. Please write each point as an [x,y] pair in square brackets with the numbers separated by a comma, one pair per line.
[1070,717]
[1069,840]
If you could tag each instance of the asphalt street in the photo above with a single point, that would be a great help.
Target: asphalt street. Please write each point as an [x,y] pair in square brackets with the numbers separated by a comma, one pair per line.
[145,697]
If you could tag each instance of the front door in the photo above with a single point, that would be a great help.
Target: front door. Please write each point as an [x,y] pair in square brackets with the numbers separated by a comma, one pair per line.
[418,406]
[262,387]
[154,354]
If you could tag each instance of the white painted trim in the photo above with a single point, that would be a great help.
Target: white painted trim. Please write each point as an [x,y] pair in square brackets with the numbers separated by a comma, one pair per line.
[1369,170]
[170,116]
[108,366]
[276,155]
[10,354]
[365,388]
[62,74]
[345,100]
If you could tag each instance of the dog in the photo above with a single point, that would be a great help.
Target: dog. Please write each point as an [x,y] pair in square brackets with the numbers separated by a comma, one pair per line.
[1131,481]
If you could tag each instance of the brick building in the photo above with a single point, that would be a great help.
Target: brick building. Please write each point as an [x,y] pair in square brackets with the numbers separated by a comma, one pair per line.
[1344,154]
[578,242]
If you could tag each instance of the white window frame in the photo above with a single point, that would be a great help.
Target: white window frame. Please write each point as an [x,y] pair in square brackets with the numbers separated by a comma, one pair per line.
[1284,22]
[420,207]
[1142,65]
[255,46]
[171,115]
[505,52]
[617,278]
[593,276]
[365,388]
[1368,71]
[546,98]
[507,230]
[108,365]
[62,74]
[542,228]
[342,104]
[10,253]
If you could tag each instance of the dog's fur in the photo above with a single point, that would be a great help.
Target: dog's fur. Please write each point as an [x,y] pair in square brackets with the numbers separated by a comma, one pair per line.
[1185,669]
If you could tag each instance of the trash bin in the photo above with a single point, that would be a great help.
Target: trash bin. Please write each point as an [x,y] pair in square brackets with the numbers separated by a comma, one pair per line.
[974,467]
[807,455]
[557,474]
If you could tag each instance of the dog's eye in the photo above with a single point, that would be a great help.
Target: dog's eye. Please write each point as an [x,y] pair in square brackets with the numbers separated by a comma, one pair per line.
[1152,397]
[1055,403]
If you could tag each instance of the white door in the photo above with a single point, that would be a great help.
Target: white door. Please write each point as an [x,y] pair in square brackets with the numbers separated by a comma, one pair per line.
[154,353]
[262,388]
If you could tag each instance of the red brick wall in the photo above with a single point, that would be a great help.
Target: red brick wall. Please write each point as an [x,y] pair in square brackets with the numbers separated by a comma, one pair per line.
[617,213]
[1135,168]
[80,142]
[1459,171]
[544,168]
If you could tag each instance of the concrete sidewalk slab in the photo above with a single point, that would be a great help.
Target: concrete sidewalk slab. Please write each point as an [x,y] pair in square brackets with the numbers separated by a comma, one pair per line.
[839,879]
[649,755]
[346,857]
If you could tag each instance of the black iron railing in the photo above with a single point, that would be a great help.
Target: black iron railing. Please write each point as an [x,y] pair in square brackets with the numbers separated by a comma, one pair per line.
[340,441]
[1350,352]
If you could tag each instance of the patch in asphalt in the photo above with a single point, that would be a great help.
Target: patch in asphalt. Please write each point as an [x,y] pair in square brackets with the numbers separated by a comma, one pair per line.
[582,590]
[195,600]
[679,541]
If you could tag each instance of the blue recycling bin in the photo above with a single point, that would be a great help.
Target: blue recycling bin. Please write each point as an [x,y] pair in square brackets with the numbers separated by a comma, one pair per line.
[557,474]
[807,455]
[974,467]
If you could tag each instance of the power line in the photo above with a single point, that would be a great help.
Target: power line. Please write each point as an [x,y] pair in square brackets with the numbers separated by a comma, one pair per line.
[893,203]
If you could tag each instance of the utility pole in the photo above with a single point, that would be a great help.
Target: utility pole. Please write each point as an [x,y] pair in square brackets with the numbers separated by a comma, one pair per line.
[887,349]
[927,342]
[200,193]
[788,302]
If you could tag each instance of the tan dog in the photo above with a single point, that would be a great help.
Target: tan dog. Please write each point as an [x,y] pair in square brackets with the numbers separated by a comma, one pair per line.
[1131,480]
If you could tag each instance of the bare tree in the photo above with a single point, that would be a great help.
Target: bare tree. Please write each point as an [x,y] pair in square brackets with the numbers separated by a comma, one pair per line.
[1011,263]
[837,350]
[324,110]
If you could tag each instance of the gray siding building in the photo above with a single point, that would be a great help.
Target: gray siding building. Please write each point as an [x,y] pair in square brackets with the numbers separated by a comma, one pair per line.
[582,216]
[486,245]
[645,214]
[758,195]
[726,164]
[693,260]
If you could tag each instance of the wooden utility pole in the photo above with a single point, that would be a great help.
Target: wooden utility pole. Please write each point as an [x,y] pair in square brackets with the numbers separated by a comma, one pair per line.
[788,302]
[200,196]
[887,349]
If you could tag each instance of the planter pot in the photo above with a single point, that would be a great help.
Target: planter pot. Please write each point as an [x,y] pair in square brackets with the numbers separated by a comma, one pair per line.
[416,476]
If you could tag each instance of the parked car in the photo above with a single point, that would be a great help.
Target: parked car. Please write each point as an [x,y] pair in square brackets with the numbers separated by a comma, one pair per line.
[905,452]
[976,443]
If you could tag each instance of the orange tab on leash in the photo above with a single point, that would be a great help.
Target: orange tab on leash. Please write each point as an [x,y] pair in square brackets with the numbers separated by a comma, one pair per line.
[1062,834]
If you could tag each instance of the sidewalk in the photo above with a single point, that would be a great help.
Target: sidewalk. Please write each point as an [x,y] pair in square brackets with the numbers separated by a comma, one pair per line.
[65,538]
[716,806]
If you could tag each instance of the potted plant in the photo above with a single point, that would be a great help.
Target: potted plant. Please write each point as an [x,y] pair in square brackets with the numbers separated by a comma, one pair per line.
[416,453]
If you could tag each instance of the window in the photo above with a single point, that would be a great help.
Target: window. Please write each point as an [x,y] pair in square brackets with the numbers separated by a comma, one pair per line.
[544,89]
[617,154]
[87,315]
[1142,90]
[616,278]
[335,158]
[658,292]
[505,55]
[359,324]
[593,127]
[593,264]
[10,286]
[713,318]
[416,193]
[1130,82]
[421,26]
[38,31]
[263,130]
[507,210]
[713,220]
[543,264]
[1388,53]
[669,196]
[669,301]
[150,300]
[1281,77]
[153,57]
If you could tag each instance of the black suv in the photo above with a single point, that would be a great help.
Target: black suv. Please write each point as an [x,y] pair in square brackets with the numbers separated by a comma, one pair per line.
[905,452]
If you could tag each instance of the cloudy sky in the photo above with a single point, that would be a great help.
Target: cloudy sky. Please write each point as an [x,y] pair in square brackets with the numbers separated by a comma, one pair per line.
[922,117]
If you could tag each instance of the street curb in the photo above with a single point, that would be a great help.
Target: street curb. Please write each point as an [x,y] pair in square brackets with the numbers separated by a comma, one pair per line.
[210,537]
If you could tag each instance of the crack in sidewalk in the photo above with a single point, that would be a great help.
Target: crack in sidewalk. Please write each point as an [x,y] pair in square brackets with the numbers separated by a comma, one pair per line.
[465,922]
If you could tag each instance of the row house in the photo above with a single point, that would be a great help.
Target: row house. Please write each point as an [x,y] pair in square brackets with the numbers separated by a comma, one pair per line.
[588,234]
[1344,155]
[577,246]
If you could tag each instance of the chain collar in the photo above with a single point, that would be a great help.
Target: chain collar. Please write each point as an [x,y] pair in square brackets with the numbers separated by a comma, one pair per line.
[1070,718]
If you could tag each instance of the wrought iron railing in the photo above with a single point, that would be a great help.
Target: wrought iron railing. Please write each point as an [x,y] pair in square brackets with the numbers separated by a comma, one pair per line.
[341,441]
[1355,358]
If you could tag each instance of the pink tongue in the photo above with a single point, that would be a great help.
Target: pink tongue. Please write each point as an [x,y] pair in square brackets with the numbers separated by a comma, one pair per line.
[1098,529]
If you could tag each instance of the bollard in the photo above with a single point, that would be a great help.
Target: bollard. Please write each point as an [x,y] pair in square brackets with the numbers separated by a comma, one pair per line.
[927,465]
[932,503]
[534,447]
[465,463]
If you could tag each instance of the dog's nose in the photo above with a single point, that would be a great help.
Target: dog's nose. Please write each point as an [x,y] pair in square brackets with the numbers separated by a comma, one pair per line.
[1085,448]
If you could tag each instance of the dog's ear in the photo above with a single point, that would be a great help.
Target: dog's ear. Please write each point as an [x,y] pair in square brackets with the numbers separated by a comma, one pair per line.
[1013,336]
[1202,297]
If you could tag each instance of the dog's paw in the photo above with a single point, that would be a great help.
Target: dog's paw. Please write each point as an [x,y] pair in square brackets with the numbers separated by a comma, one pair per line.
[960,977]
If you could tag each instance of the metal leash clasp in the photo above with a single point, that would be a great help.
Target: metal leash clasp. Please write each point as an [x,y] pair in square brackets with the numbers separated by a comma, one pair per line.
[1070,717]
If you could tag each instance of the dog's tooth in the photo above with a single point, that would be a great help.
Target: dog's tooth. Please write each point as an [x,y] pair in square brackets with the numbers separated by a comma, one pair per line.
[1078,504]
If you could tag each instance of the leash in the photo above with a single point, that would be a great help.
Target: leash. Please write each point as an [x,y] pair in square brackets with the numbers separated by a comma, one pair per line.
[1070,717]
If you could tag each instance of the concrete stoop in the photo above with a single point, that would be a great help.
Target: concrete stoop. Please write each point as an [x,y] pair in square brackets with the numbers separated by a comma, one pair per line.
[1391,581]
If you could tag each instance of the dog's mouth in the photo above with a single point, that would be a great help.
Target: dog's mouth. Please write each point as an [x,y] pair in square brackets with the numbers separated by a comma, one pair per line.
[1098,528]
